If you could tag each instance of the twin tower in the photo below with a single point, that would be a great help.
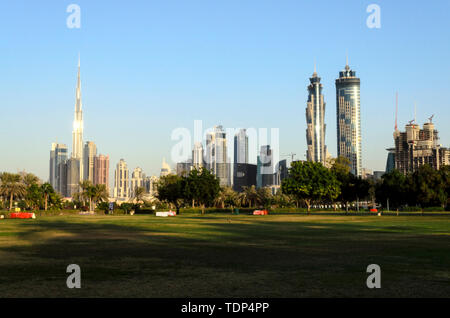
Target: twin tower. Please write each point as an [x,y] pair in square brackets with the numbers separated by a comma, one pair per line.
[348,120]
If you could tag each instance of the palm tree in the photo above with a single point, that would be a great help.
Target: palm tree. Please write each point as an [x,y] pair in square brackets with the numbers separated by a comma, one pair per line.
[100,193]
[30,179]
[46,189]
[85,193]
[11,186]
[139,194]
[249,196]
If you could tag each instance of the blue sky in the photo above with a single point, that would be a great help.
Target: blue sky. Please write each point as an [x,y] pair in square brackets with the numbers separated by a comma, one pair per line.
[149,67]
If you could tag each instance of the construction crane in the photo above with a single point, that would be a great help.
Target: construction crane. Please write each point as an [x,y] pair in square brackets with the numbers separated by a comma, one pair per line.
[431,118]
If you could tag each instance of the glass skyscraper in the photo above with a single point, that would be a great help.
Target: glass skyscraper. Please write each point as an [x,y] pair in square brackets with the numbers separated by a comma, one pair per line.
[315,116]
[348,117]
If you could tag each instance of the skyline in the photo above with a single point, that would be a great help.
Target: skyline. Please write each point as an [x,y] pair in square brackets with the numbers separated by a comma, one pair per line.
[248,88]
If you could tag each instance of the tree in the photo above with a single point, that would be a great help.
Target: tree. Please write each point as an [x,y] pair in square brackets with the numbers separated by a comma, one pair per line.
[392,188]
[201,186]
[100,194]
[249,196]
[310,181]
[12,186]
[138,194]
[171,188]
[46,189]
[264,197]
[445,176]
[428,187]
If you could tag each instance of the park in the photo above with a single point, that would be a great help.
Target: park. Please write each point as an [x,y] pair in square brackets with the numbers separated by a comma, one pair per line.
[225,255]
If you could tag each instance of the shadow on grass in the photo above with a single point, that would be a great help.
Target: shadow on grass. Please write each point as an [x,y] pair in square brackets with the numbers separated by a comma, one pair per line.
[219,257]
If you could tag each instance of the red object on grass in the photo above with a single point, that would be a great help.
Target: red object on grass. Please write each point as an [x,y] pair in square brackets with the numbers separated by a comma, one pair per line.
[22,215]
[373,210]
[260,212]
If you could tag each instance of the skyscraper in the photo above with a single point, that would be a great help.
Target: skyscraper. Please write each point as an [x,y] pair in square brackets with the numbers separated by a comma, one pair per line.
[197,156]
[315,115]
[241,147]
[122,181]
[77,133]
[264,170]
[101,170]
[348,117]
[165,168]
[58,155]
[216,155]
[73,176]
[137,180]
[89,153]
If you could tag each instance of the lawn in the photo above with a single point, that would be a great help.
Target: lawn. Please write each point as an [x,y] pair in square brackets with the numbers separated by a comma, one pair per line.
[225,256]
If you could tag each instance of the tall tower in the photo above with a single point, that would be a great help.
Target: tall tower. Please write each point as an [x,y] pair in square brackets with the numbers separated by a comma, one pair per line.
[197,155]
[89,153]
[216,155]
[315,116]
[348,117]
[122,181]
[241,147]
[77,133]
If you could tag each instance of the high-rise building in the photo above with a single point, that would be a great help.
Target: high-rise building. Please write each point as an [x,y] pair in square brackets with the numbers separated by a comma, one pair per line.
[122,181]
[264,171]
[137,180]
[197,156]
[101,170]
[183,168]
[165,168]
[348,117]
[216,155]
[315,121]
[281,172]
[390,161]
[62,183]
[89,153]
[244,175]
[241,147]
[150,185]
[77,133]
[73,176]
[416,147]
[58,155]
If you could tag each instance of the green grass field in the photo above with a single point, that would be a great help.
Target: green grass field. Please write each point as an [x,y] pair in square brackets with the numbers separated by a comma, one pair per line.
[225,256]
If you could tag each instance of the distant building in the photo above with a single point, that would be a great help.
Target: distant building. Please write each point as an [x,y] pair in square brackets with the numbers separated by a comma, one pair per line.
[315,121]
[378,174]
[264,173]
[89,153]
[122,181]
[165,169]
[58,156]
[416,147]
[73,176]
[183,168]
[244,175]
[390,162]
[137,180]
[281,172]
[348,116]
[366,173]
[77,133]
[101,170]
[150,185]
[241,147]
[216,155]
[197,156]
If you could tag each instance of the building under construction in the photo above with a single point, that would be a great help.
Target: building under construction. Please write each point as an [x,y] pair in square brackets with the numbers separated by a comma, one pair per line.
[416,147]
